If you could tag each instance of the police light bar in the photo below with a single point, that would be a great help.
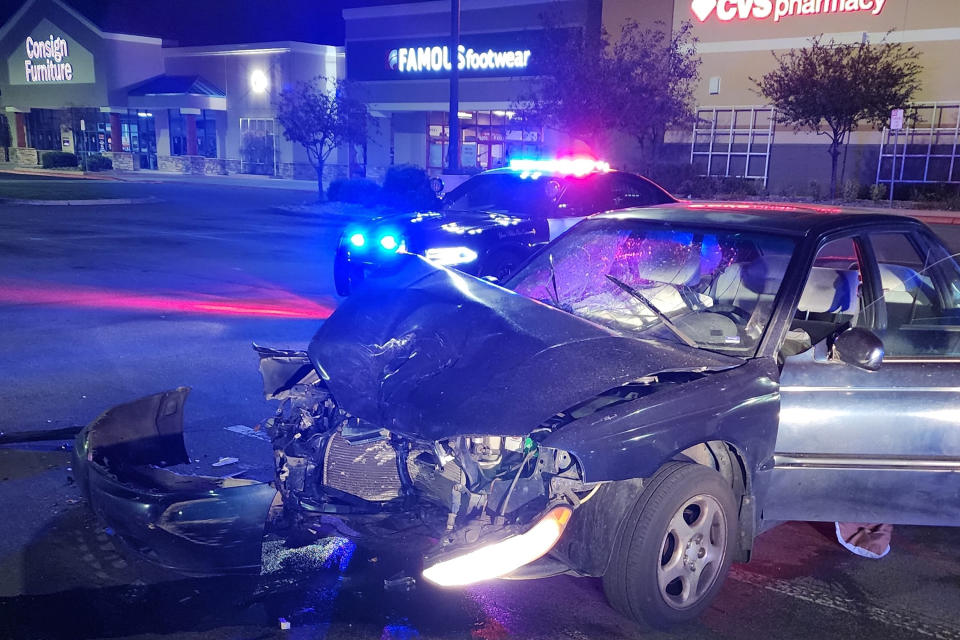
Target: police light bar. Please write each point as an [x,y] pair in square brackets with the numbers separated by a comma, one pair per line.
[566,166]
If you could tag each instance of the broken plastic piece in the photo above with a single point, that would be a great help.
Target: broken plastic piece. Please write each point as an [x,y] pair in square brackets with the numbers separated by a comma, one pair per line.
[222,462]
[284,624]
[402,584]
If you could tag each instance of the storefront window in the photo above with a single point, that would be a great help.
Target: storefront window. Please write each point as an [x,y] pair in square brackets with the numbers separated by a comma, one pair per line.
[488,139]
[257,150]
[206,134]
[43,129]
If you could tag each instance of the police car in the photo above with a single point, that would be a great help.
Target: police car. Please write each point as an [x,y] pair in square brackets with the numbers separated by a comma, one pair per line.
[492,222]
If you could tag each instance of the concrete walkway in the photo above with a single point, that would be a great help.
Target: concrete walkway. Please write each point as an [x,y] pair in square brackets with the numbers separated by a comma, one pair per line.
[147,175]
[236,180]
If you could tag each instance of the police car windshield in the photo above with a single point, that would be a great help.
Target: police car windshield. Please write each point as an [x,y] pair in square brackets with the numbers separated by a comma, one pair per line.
[500,193]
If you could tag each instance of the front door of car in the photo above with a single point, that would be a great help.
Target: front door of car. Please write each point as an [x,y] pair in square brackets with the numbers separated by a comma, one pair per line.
[883,446]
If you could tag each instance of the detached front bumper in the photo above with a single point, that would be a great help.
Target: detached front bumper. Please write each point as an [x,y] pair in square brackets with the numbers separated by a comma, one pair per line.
[199,525]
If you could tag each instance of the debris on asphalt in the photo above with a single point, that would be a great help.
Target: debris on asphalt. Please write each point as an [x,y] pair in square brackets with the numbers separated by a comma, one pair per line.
[222,462]
[284,624]
[109,531]
[244,430]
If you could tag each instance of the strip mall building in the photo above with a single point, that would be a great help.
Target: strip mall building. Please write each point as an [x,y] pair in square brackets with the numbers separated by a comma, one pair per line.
[154,105]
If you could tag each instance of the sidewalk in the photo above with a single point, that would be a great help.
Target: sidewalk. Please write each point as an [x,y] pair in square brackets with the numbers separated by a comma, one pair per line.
[69,174]
[148,175]
[236,180]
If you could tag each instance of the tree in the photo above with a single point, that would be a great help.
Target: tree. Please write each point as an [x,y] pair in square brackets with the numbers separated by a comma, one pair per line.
[640,85]
[321,115]
[831,88]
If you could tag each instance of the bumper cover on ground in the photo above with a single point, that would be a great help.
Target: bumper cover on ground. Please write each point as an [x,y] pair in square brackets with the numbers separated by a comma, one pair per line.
[199,525]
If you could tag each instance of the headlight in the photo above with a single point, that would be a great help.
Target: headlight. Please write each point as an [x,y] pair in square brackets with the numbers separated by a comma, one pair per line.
[500,558]
[389,242]
[358,240]
[448,256]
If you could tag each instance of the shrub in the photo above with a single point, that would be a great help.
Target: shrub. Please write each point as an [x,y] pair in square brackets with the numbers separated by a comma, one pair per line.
[878,192]
[674,177]
[850,190]
[96,162]
[355,190]
[54,159]
[936,196]
[407,188]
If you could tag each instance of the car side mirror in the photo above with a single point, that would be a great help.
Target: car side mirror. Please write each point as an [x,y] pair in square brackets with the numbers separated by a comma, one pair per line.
[859,348]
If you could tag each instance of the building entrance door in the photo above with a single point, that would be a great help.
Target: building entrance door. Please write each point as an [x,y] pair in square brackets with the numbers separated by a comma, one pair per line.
[143,140]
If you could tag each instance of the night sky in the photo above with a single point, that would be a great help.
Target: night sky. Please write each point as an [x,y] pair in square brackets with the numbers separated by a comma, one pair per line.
[209,22]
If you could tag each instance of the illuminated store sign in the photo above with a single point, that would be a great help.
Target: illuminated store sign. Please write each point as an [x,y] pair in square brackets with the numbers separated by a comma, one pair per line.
[49,56]
[729,10]
[423,59]
[45,61]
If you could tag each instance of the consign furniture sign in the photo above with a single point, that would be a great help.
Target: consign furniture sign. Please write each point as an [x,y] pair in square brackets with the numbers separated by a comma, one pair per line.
[50,56]
[730,10]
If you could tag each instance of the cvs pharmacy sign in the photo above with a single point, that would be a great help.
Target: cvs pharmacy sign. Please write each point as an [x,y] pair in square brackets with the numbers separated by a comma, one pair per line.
[729,10]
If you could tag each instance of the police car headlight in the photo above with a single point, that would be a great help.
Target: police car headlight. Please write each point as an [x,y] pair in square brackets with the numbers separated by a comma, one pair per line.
[449,256]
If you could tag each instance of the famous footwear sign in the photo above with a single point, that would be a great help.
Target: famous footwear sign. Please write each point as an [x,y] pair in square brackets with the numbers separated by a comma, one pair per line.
[50,56]
[436,58]
[729,10]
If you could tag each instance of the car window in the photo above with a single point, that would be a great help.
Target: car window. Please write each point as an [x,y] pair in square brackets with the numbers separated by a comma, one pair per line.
[629,191]
[499,193]
[921,295]
[583,196]
[831,297]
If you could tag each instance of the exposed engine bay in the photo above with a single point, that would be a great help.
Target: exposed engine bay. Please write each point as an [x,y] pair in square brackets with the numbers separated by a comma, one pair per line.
[337,473]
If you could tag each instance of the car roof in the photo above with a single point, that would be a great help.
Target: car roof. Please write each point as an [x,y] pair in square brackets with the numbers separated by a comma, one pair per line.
[784,219]
[556,174]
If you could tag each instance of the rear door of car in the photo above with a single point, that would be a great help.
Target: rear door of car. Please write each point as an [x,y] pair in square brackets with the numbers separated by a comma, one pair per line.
[878,446]
[601,191]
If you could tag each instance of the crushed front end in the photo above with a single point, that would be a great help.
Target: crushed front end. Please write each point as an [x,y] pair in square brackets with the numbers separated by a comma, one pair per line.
[473,507]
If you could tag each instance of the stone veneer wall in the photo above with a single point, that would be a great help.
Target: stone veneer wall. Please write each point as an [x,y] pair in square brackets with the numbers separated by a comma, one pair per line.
[304,171]
[24,156]
[121,160]
[196,165]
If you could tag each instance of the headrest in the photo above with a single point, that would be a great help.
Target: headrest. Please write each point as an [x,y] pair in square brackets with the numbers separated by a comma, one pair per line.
[895,277]
[830,291]
[764,275]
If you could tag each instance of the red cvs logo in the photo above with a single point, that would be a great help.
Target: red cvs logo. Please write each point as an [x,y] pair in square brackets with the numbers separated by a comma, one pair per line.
[728,10]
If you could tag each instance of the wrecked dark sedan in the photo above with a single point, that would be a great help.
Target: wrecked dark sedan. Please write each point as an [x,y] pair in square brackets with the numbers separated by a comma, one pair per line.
[643,398]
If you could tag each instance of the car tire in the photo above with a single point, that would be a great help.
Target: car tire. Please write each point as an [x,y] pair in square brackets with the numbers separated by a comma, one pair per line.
[684,522]
[501,263]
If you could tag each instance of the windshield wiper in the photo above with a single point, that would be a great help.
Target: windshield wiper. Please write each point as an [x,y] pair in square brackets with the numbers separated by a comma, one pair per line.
[649,305]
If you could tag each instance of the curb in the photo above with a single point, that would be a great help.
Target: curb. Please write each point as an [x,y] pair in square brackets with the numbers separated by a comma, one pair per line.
[78,203]
[69,175]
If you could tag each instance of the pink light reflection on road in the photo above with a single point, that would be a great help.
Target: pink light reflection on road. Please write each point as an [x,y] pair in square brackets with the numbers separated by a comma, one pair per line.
[279,304]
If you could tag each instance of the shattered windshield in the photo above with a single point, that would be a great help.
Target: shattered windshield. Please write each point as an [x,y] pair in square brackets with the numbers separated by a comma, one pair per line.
[500,193]
[711,289]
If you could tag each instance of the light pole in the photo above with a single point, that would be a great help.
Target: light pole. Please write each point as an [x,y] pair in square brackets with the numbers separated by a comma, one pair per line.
[453,146]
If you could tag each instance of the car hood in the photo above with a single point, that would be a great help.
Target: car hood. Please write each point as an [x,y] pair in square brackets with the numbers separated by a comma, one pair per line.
[452,222]
[433,353]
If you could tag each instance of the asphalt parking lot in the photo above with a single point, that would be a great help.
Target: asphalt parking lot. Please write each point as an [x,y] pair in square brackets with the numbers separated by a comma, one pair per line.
[169,285]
